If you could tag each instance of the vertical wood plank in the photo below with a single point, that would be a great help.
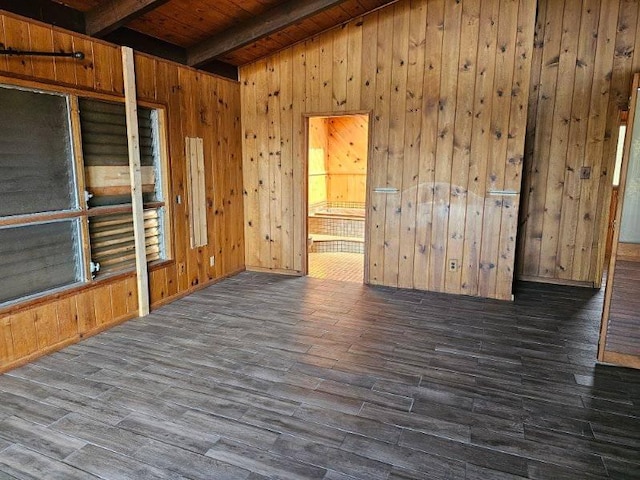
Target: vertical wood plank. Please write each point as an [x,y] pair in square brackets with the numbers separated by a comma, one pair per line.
[85,75]
[158,289]
[119,298]
[46,323]
[299,106]
[354,64]
[132,295]
[585,59]
[23,334]
[7,353]
[67,318]
[16,37]
[312,78]
[102,60]
[379,156]
[86,312]
[41,39]
[65,67]
[461,162]
[397,157]
[558,139]
[250,167]
[481,137]
[286,159]
[136,179]
[428,145]
[495,206]
[515,149]
[146,77]
[102,305]
[325,102]
[595,199]
[197,191]
[216,103]
[274,159]
[3,42]
[367,102]
[262,148]
[530,234]
[444,149]
[340,68]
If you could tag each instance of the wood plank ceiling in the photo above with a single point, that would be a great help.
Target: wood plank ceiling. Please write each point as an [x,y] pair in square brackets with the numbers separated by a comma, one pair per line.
[207,34]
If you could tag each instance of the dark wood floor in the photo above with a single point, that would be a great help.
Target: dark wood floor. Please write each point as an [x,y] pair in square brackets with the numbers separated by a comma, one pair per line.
[265,376]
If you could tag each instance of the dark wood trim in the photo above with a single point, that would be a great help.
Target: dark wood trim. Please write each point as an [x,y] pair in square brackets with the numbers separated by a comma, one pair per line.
[256,28]
[222,69]
[48,12]
[113,14]
[159,48]
[147,44]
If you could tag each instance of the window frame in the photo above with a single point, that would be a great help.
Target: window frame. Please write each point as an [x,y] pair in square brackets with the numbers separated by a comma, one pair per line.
[82,213]
[159,122]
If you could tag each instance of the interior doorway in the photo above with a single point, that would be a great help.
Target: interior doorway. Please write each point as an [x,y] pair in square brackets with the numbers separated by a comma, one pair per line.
[620,329]
[338,148]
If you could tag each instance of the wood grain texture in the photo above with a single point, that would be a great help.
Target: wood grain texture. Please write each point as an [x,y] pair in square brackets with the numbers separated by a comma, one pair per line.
[238,382]
[53,321]
[347,153]
[583,58]
[624,320]
[466,93]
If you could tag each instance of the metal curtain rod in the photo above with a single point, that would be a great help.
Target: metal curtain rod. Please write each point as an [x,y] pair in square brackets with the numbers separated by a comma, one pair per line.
[78,55]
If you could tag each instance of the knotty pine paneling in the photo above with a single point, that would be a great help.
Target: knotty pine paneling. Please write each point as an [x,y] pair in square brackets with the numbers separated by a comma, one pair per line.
[447,86]
[347,158]
[197,105]
[584,56]
[318,152]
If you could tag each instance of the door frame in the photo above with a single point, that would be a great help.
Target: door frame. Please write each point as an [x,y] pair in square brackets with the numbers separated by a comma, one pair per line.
[305,173]
[616,223]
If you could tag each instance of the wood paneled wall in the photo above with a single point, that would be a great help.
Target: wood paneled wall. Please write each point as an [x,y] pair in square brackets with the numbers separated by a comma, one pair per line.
[585,54]
[347,158]
[447,84]
[197,105]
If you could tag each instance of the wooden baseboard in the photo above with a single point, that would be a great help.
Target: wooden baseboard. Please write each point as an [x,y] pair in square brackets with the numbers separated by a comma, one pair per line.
[621,359]
[555,281]
[280,271]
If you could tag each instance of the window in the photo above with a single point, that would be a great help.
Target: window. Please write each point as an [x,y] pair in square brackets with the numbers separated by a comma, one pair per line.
[52,233]
[39,228]
[106,164]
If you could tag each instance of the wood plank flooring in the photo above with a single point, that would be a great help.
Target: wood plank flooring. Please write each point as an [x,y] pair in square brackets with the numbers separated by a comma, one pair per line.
[265,376]
[623,334]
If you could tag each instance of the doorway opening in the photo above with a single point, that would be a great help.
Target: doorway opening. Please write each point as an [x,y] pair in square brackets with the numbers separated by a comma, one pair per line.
[338,148]
[616,188]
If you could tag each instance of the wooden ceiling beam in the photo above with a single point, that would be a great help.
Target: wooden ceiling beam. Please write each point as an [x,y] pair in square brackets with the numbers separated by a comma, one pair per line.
[113,14]
[47,11]
[256,28]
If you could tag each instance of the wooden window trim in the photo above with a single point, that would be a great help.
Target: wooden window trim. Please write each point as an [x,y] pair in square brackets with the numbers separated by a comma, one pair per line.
[82,212]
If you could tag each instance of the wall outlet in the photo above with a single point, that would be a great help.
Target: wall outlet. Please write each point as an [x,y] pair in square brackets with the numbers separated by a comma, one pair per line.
[585,173]
[181,268]
[453,265]
[212,260]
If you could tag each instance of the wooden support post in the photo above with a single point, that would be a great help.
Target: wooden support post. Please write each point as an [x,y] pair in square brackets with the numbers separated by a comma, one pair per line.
[142,275]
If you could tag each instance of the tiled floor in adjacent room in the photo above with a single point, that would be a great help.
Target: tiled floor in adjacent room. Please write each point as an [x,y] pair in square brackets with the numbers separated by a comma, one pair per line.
[265,376]
[343,266]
